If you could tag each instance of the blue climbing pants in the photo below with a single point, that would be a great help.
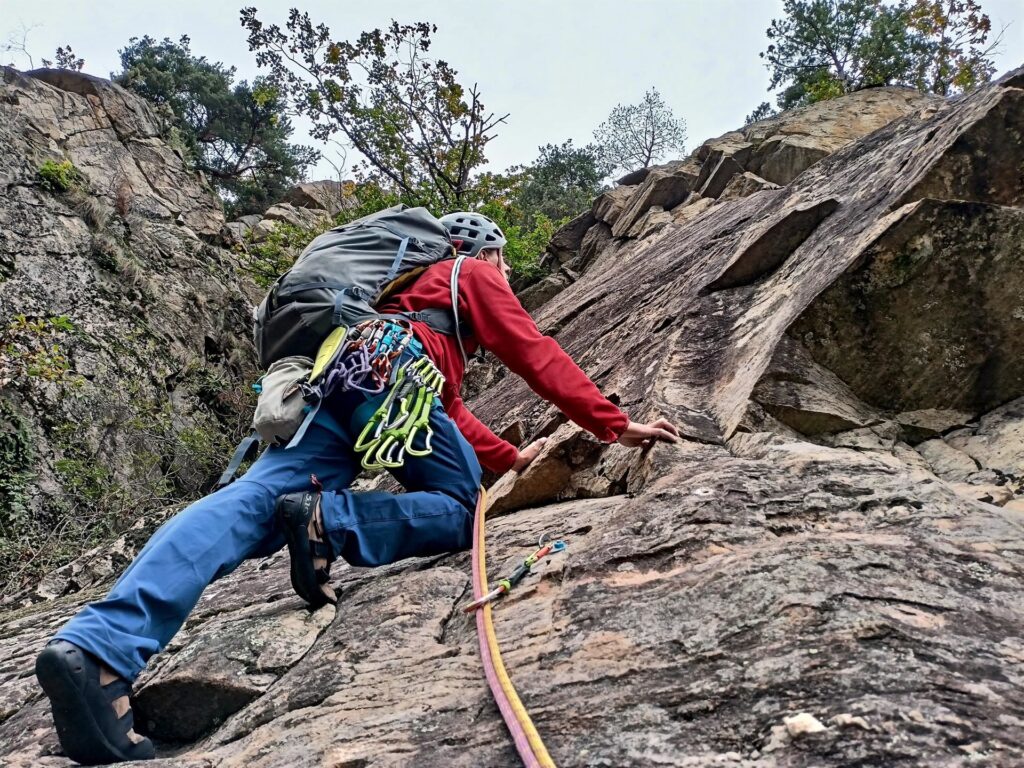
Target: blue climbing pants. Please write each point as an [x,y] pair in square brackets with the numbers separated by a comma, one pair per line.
[210,538]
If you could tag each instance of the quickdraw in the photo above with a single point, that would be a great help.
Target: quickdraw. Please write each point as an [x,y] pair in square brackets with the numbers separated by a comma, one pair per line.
[392,430]
[504,586]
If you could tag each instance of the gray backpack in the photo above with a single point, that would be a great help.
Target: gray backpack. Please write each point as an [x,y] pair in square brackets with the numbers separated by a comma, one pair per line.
[344,273]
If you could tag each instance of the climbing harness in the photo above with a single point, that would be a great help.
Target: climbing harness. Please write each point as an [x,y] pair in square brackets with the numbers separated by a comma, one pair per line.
[505,585]
[528,742]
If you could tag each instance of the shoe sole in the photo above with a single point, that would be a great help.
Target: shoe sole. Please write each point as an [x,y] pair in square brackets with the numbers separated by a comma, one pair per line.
[80,735]
[301,563]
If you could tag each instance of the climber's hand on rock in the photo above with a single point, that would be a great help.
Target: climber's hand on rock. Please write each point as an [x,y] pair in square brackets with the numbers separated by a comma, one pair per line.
[528,454]
[645,435]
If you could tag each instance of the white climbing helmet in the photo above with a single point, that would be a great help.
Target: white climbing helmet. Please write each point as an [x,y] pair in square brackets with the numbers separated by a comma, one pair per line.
[475,230]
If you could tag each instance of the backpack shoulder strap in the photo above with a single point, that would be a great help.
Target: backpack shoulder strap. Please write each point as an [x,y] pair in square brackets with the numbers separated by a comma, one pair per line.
[455,306]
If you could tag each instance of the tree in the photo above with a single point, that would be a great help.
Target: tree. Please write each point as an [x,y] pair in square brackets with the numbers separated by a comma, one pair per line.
[763,112]
[418,129]
[825,48]
[66,59]
[561,182]
[236,133]
[953,36]
[636,135]
[17,43]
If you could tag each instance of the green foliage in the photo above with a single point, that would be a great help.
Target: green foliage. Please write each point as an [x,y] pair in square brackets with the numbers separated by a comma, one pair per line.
[236,133]
[59,177]
[267,258]
[637,135]
[956,52]
[825,48]
[84,478]
[530,203]
[16,474]
[271,256]
[525,243]
[32,349]
[763,112]
[561,183]
[65,58]
[421,132]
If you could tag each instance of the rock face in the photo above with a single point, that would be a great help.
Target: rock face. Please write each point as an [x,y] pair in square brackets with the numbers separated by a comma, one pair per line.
[826,571]
[123,328]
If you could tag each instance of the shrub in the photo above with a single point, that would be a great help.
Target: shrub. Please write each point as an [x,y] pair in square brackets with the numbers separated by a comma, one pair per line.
[59,177]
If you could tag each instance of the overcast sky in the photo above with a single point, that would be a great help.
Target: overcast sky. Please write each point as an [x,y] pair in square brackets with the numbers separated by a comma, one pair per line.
[557,67]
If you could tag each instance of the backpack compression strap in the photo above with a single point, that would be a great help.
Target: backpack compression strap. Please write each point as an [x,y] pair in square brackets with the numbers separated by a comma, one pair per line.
[245,451]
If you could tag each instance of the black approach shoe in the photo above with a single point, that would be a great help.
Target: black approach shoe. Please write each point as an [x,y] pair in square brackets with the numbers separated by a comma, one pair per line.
[294,512]
[90,731]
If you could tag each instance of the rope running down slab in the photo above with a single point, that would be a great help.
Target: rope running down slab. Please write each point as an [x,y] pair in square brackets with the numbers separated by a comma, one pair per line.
[528,742]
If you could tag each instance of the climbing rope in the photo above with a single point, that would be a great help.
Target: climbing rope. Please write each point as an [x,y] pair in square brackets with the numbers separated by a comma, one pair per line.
[528,742]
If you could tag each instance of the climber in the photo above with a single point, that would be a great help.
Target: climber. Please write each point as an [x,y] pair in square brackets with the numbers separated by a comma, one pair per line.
[300,497]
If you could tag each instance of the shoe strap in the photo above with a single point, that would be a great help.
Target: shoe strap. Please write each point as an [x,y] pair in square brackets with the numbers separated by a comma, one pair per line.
[116,689]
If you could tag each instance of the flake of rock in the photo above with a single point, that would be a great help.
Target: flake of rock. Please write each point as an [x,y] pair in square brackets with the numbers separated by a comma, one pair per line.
[231,662]
[304,218]
[651,222]
[930,422]
[745,184]
[665,187]
[997,442]
[608,207]
[946,461]
[990,494]
[846,720]
[327,195]
[802,724]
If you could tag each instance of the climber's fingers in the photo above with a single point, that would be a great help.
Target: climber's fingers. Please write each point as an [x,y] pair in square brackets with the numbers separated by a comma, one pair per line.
[644,435]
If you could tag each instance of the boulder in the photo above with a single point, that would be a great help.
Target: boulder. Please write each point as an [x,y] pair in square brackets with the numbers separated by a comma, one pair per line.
[745,184]
[566,241]
[665,186]
[610,204]
[946,461]
[544,290]
[233,233]
[634,177]
[327,195]
[997,441]
[652,221]
[304,218]
[250,220]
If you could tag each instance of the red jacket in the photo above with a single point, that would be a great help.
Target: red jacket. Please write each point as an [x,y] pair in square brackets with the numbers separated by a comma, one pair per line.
[499,323]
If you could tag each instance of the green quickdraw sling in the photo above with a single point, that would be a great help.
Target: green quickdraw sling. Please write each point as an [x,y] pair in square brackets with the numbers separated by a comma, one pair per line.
[392,431]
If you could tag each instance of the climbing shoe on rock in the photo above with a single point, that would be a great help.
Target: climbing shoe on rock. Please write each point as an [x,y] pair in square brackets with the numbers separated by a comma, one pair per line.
[90,707]
[298,514]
